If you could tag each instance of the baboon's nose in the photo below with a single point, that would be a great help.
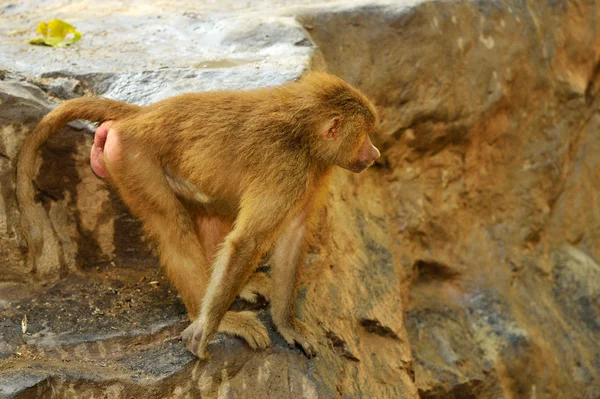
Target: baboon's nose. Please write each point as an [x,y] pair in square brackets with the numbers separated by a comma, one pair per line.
[368,152]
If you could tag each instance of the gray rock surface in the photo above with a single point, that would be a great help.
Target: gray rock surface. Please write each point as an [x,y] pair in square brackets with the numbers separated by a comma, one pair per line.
[464,264]
[147,51]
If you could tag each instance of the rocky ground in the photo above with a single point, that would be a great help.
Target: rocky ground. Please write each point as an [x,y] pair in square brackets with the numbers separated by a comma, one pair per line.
[463,264]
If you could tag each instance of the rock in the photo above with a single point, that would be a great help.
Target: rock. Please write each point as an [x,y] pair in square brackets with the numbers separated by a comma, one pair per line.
[464,264]
[490,116]
[158,52]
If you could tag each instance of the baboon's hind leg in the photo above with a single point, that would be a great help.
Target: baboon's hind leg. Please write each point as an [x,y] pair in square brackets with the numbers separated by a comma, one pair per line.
[142,185]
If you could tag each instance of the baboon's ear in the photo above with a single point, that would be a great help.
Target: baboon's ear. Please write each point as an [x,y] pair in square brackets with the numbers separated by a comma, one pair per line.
[332,128]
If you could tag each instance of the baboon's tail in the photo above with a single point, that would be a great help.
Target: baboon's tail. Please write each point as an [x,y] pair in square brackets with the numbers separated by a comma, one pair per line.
[87,108]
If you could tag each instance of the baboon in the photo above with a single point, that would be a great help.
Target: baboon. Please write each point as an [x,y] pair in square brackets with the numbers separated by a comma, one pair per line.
[248,167]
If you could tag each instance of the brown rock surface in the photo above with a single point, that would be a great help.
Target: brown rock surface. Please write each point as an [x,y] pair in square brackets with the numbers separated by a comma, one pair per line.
[491,176]
[464,264]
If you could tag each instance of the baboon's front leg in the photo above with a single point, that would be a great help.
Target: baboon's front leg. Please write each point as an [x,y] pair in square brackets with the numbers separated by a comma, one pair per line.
[212,231]
[233,265]
[286,262]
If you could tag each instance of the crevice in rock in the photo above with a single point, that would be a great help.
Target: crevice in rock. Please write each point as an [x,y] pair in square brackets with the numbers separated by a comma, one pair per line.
[375,327]
[592,87]
[340,346]
[430,270]
[534,237]
[43,196]
[467,390]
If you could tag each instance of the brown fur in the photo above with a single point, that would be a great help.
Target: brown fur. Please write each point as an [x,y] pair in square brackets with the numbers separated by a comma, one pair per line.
[233,172]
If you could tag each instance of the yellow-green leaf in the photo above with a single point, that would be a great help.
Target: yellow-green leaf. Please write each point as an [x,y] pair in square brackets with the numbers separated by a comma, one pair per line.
[56,33]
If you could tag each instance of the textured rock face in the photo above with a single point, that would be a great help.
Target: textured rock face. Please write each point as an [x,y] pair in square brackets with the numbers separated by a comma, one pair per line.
[491,121]
[464,264]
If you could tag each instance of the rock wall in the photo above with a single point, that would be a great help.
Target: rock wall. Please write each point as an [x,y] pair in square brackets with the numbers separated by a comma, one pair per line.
[491,119]
[464,264]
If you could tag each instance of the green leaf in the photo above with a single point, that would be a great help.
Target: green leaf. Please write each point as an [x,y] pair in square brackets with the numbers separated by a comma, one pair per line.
[56,33]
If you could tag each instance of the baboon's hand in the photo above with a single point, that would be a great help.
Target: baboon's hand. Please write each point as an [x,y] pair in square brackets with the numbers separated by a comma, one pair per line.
[296,332]
[194,341]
